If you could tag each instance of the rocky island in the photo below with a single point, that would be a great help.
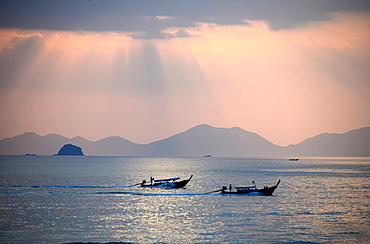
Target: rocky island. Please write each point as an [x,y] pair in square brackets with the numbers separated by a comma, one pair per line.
[70,150]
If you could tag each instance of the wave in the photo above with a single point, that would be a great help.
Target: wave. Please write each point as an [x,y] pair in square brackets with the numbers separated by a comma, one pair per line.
[100,193]
[22,190]
[105,187]
[6,190]
[65,186]
[99,243]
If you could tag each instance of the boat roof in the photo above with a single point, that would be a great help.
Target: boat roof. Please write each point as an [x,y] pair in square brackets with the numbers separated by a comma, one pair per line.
[177,178]
[245,187]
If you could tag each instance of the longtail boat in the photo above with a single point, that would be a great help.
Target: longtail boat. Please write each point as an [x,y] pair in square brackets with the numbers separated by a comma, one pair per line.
[251,190]
[166,183]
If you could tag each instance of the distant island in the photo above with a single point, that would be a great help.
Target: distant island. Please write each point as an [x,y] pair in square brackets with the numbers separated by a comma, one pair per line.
[30,154]
[201,140]
[71,150]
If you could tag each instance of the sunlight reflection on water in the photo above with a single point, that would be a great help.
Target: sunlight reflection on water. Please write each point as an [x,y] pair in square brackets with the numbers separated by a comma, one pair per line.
[54,200]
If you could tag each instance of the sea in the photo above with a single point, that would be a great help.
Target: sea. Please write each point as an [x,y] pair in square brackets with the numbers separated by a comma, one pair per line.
[89,199]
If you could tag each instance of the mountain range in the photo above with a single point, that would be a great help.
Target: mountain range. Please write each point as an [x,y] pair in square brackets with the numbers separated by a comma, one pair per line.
[197,141]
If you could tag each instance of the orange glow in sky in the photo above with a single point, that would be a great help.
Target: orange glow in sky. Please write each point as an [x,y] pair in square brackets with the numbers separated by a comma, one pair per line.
[284,85]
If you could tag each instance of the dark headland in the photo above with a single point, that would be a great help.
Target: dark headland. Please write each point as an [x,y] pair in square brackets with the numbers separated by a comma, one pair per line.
[71,150]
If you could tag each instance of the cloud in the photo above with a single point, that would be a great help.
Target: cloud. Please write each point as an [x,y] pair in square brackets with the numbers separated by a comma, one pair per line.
[285,85]
[181,32]
[148,18]
[159,17]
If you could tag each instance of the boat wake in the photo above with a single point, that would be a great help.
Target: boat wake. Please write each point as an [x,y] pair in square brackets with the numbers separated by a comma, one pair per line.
[249,194]
[57,190]
[167,185]
[101,193]
[65,186]
[92,190]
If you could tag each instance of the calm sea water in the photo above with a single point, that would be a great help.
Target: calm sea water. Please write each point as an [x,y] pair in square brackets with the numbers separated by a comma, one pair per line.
[46,199]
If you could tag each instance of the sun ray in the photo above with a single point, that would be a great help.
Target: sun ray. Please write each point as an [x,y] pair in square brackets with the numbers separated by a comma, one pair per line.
[248,76]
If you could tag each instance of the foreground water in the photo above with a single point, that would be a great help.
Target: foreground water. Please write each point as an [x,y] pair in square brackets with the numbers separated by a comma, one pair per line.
[90,199]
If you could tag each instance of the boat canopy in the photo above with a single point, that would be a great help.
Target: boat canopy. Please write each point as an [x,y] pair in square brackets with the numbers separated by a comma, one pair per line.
[245,187]
[177,178]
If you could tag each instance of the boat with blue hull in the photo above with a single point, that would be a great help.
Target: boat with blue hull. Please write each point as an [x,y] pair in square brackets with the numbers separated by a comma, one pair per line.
[166,183]
[250,190]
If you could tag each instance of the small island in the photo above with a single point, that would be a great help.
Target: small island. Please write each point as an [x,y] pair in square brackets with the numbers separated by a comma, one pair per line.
[70,150]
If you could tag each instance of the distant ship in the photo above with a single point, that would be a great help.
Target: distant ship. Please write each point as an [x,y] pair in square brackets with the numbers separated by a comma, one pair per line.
[30,154]
[207,156]
[293,159]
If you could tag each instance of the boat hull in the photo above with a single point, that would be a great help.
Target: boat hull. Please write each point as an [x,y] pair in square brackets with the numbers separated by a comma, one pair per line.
[174,184]
[266,191]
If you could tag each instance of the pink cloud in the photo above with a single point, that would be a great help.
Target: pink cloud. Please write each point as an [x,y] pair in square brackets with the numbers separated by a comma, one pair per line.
[284,85]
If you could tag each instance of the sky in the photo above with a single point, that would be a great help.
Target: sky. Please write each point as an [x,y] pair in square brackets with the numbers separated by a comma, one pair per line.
[146,70]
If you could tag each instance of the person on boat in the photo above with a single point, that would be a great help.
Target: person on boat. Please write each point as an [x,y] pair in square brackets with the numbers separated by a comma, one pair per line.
[151,180]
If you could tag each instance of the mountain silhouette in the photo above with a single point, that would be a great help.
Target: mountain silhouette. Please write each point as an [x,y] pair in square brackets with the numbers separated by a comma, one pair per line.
[205,139]
[354,143]
[197,141]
